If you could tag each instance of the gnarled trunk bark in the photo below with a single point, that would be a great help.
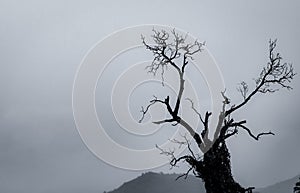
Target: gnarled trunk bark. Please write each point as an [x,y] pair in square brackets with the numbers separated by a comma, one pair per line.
[215,171]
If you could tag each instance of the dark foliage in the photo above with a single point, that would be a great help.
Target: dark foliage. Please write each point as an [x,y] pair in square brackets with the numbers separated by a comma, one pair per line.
[297,187]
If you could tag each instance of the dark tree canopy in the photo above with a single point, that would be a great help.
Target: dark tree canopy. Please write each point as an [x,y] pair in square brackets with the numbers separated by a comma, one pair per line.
[172,50]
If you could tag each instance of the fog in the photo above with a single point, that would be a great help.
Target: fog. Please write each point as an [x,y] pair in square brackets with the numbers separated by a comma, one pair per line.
[44,42]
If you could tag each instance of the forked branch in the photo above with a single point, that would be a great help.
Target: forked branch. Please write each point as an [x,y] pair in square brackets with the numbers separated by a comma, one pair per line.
[275,75]
[241,124]
[171,49]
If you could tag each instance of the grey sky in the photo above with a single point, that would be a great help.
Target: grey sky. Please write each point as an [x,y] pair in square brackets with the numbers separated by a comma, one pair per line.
[43,42]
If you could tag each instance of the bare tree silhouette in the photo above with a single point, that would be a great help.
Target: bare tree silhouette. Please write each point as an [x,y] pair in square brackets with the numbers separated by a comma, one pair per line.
[170,49]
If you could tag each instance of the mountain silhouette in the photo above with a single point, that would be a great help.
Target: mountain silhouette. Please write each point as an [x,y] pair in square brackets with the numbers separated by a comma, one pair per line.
[285,186]
[151,182]
[161,183]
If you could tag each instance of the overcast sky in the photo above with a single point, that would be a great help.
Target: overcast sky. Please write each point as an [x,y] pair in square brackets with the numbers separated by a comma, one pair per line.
[43,43]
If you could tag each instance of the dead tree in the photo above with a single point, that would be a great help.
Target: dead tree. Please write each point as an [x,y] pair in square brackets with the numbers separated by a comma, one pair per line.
[170,49]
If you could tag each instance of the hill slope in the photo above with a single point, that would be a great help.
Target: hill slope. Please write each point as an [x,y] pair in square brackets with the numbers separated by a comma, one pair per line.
[161,183]
[285,186]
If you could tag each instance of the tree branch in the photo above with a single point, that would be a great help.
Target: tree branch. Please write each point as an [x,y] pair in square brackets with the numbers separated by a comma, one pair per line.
[240,124]
[204,133]
[165,52]
[152,102]
[275,74]
[164,121]
[194,109]
[191,160]
[257,136]
[185,175]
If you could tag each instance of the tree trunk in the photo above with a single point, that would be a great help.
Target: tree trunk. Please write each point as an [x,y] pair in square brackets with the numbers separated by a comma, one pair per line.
[215,171]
